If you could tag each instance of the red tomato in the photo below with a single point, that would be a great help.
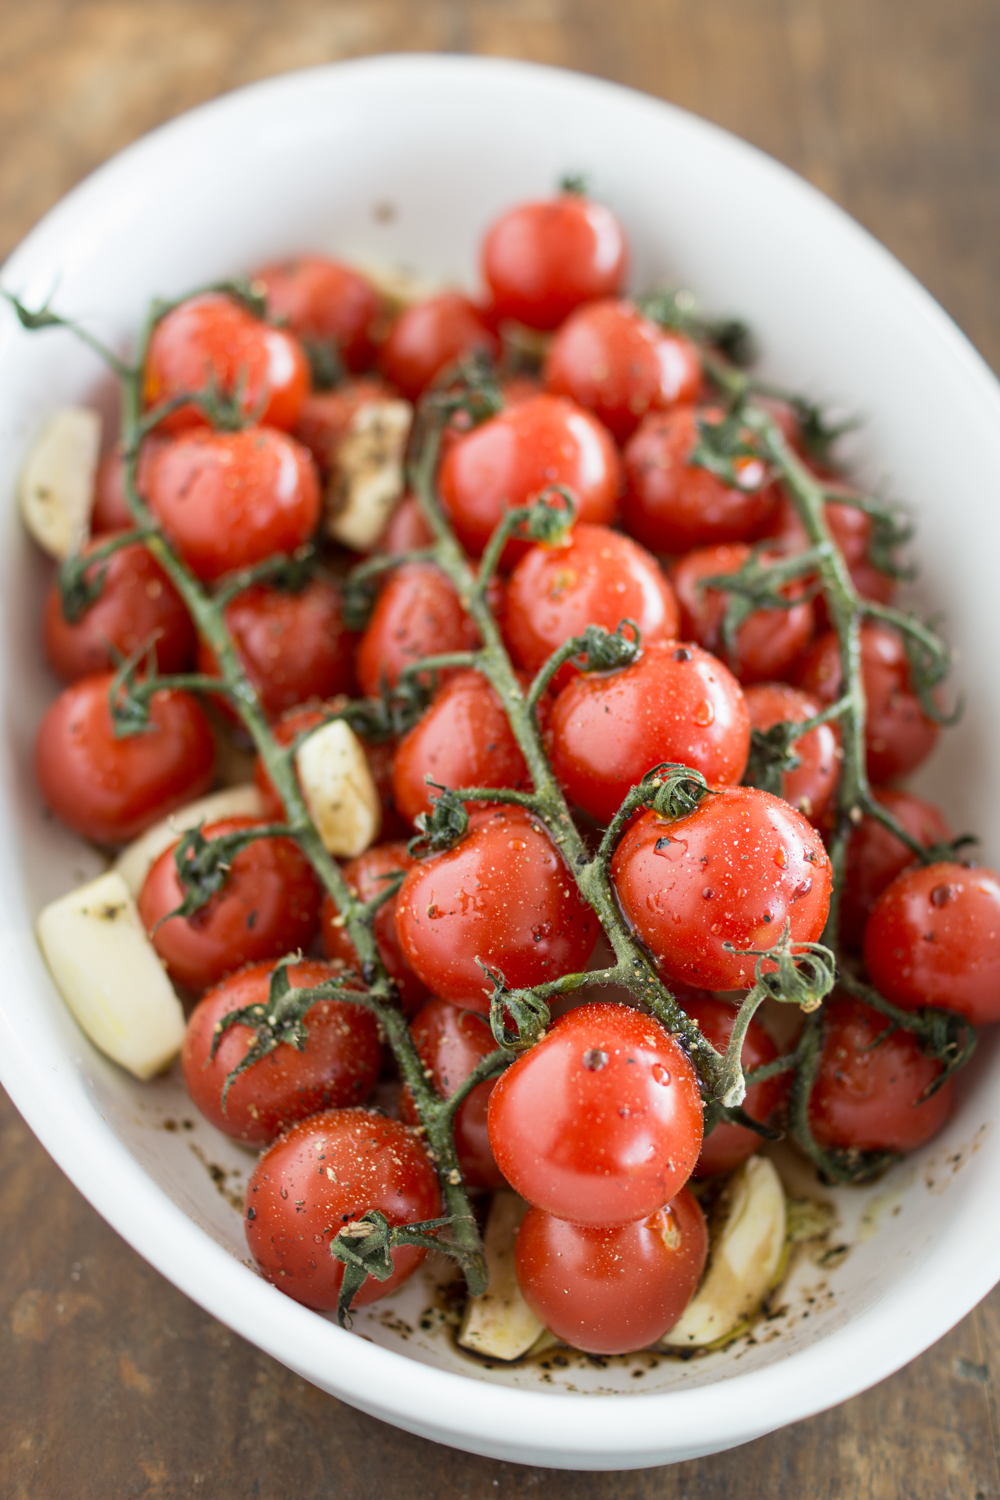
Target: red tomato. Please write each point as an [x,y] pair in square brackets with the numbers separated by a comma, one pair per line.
[541,260]
[430,336]
[875,856]
[671,505]
[228,500]
[769,642]
[502,895]
[865,1096]
[327,416]
[366,877]
[732,872]
[111,512]
[211,341]
[406,529]
[898,734]
[109,789]
[451,1041]
[675,703]
[417,614]
[728,1145]
[595,577]
[464,739]
[601,1121]
[811,785]
[509,460]
[268,907]
[851,528]
[320,299]
[323,1173]
[137,605]
[339,1064]
[611,1291]
[619,365]
[933,938]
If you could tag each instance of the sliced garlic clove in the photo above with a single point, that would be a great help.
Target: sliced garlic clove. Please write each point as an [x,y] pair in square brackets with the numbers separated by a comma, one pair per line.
[135,861]
[110,976]
[339,790]
[368,479]
[744,1261]
[499,1322]
[56,487]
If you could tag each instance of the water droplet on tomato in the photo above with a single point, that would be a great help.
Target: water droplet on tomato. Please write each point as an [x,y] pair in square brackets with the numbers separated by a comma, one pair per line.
[704,714]
[517,845]
[661,1073]
[781,858]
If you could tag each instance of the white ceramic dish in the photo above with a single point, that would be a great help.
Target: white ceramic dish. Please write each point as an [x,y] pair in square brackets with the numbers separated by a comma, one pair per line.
[406,159]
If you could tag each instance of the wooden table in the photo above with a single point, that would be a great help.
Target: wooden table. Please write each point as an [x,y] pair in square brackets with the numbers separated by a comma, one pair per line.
[113,1385]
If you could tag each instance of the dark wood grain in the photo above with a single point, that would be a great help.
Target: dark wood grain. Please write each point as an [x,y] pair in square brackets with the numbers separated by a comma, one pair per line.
[113,1385]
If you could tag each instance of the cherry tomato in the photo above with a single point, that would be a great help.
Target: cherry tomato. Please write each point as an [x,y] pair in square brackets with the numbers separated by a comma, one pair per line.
[933,938]
[768,643]
[268,907]
[672,505]
[728,1144]
[601,1121]
[325,1172]
[898,734]
[811,785]
[321,300]
[211,341]
[509,460]
[611,1291]
[502,895]
[730,873]
[674,703]
[366,876]
[619,365]
[866,1095]
[110,511]
[111,789]
[417,614]
[875,856]
[327,416]
[541,260]
[430,336]
[339,1064]
[228,500]
[137,605]
[406,529]
[451,1042]
[293,646]
[851,528]
[464,739]
[595,577]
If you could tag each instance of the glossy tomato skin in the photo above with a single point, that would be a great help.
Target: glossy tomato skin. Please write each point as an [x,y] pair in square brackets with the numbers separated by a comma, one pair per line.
[327,416]
[865,1095]
[137,605]
[875,856]
[451,1041]
[734,871]
[326,1171]
[601,1121]
[671,505]
[366,876]
[769,643]
[417,614]
[933,938]
[898,734]
[319,299]
[338,1066]
[619,365]
[729,1145]
[268,907]
[595,577]
[227,500]
[812,784]
[503,895]
[675,703]
[612,1290]
[210,340]
[541,260]
[428,337]
[109,789]
[509,460]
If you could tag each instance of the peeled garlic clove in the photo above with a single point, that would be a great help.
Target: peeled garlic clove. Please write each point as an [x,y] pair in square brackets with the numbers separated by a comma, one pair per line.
[744,1260]
[56,487]
[499,1322]
[339,790]
[368,479]
[110,976]
[136,860]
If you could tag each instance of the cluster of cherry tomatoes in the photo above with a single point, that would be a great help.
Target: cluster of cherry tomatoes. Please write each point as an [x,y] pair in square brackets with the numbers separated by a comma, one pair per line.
[600,1125]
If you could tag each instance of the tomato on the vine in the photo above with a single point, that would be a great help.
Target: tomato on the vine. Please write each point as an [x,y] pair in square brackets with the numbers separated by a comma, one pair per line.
[730,1144]
[543,259]
[769,642]
[321,300]
[367,877]
[111,511]
[406,529]
[810,786]
[451,1041]
[430,336]
[417,614]
[875,856]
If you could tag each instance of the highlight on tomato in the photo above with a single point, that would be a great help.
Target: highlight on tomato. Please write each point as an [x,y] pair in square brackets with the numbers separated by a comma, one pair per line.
[541,260]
